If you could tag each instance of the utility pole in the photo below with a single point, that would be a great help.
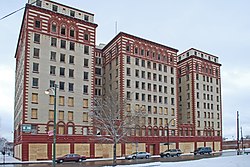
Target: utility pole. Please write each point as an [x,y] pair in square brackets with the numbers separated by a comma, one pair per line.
[242,144]
[238,134]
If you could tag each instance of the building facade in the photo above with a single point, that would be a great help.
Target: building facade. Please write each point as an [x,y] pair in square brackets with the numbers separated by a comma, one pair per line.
[56,46]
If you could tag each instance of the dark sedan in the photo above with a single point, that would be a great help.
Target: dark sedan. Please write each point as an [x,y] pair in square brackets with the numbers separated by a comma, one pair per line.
[70,157]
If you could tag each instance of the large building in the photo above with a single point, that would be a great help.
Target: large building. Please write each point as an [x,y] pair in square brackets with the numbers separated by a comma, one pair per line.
[181,94]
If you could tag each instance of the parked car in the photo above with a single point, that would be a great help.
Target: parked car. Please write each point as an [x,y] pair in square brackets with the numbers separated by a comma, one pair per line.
[171,152]
[70,157]
[138,155]
[203,150]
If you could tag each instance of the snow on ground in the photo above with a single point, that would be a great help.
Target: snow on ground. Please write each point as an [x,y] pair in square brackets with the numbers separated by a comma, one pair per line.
[230,161]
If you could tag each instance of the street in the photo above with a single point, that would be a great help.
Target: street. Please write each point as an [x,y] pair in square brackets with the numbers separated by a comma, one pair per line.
[119,162]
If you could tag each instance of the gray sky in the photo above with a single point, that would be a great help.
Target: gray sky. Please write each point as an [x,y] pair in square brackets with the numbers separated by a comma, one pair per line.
[218,27]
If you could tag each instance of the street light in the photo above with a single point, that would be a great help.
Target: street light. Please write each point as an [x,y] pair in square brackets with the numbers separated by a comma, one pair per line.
[47,92]
[168,130]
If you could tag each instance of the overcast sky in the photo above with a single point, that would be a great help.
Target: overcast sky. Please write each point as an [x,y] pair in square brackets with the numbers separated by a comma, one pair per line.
[218,27]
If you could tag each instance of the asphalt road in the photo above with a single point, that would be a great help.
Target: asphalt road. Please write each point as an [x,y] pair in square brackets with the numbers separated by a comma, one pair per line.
[119,162]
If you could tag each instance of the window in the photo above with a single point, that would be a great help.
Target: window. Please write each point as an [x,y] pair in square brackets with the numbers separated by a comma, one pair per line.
[54,8]
[51,115]
[53,56]
[136,96]
[35,82]
[165,111]
[33,113]
[85,76]
[128,83]
[128,71]
[61,115]
[34,98]
[149,75]
[37,24]
[137,61]
[62,58]
[63,30]
[61,85]
[72,13]
[137,73]
[62,71]
[127,48]
[154,66]
[63,44]
[86,63]
[39,3]
[148,64]
[53,27]
[71,46]
[149,98]
[37,38]
[53,41]
[70,116]
[172,70]
[35,67]
[172,101]
[71,73]
[51,99]
[36,52]
[71,87]
[52,70]
[86,17]
[85,89]
[98,71]
[128,60]
[86,50]
[61,100]
[71,101]
[70,130]
[85,103]
[72,33]
[86,37]
[85,117]
[60,130]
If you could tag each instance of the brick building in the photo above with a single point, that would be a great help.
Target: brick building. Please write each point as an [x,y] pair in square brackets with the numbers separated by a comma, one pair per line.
[57,45]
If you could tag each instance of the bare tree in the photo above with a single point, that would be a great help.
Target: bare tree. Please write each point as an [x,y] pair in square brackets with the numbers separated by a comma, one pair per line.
[112,120]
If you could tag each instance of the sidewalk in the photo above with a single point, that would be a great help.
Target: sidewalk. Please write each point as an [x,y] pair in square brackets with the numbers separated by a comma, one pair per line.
[12,160]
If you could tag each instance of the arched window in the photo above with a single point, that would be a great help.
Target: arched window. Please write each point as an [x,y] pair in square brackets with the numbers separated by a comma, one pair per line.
[63,30]
[72,32]
[54,27]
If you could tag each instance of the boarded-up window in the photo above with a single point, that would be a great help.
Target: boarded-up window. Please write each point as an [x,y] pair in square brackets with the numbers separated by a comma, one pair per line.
[173,122]
[155,110]
[50,128]
[71,101]
[61,100]
[160,121]
[33,113]
[128,107]
[70,116]
[34,98]
[166,111]
[51,99]
[85,117]
[137,107]
[61,115]
[143,120]
[51,115]
[61,130]
[143,108]
[166,122]
[172,113]
[85,103]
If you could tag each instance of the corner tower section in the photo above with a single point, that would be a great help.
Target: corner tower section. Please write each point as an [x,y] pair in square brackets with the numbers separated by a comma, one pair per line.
[199,95]
[56,46]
